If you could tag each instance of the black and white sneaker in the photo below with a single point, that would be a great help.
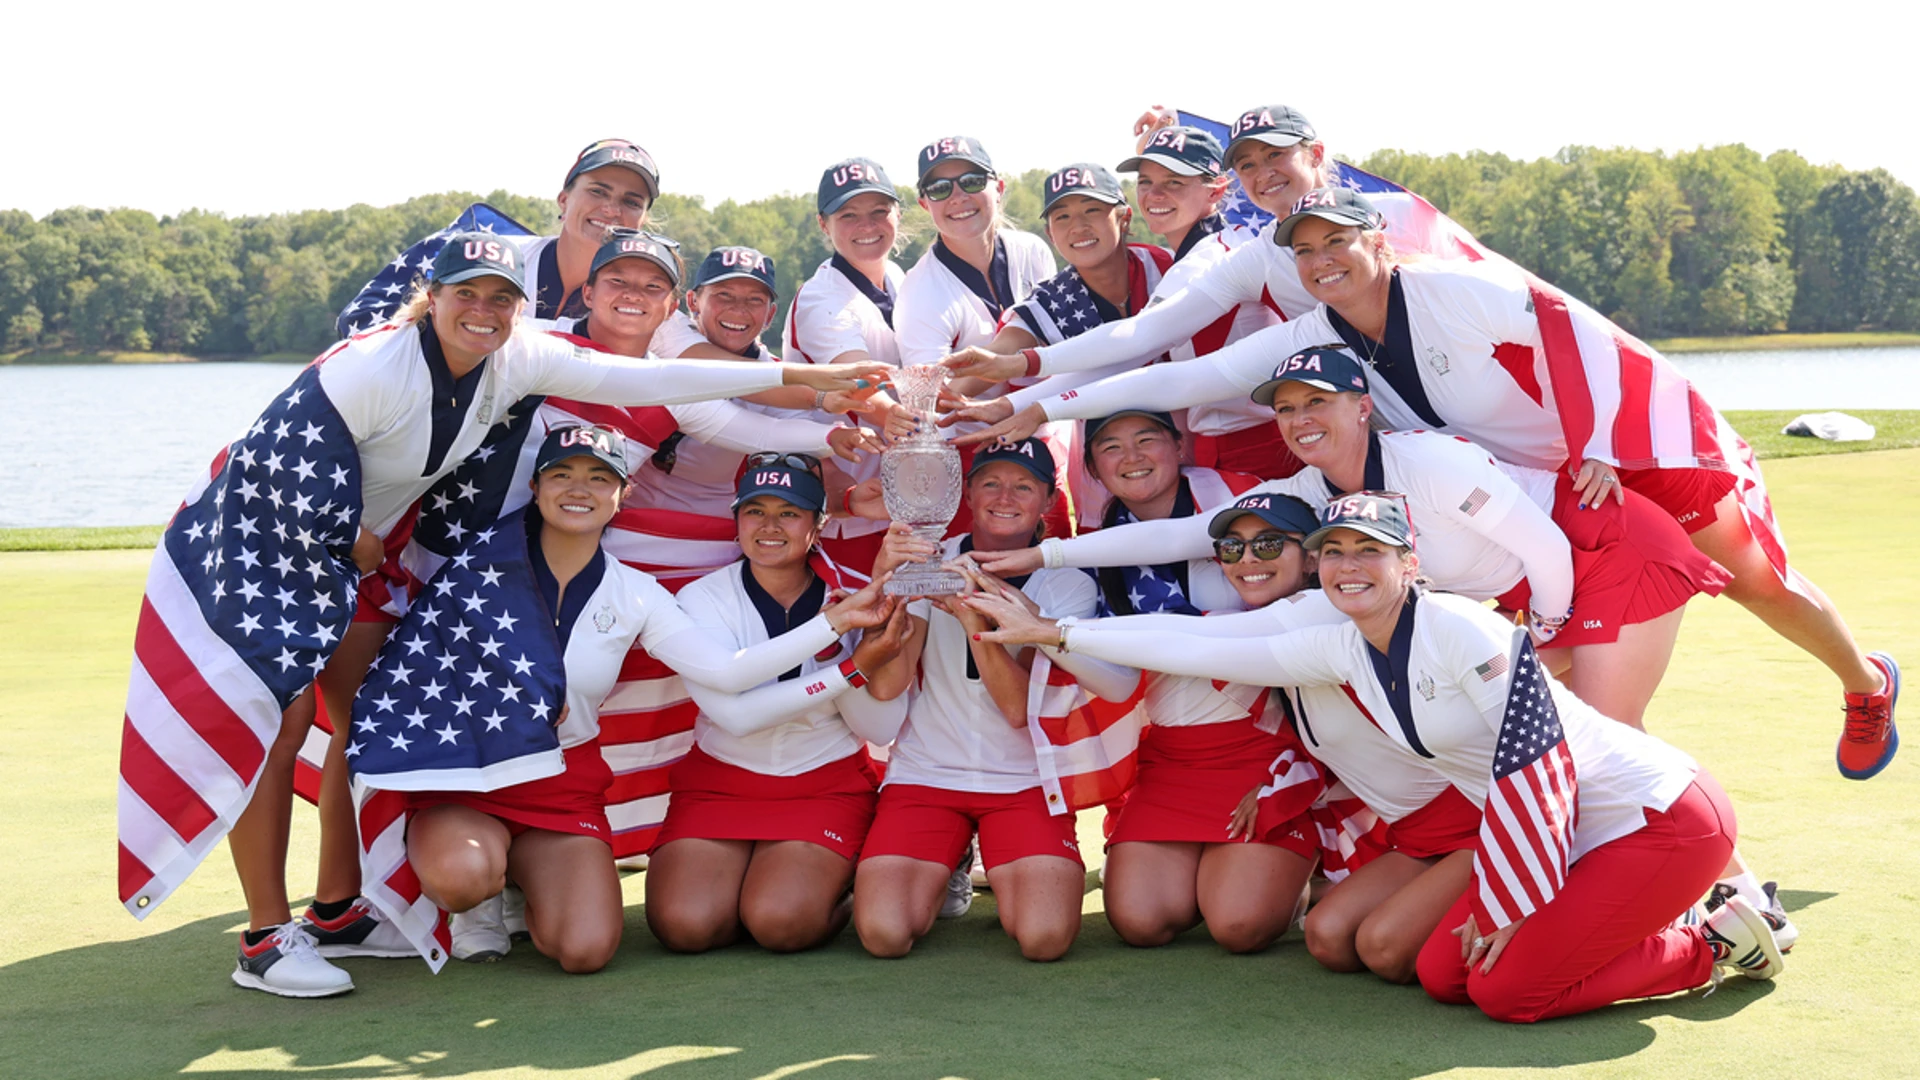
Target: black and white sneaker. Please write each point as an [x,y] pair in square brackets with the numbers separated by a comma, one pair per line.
[359,931]
[959,898]
[1785,934]
[1742,940]
[287,963]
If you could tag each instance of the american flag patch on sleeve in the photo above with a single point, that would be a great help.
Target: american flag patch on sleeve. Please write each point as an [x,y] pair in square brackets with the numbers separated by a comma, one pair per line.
[1492,669]
[1474,502]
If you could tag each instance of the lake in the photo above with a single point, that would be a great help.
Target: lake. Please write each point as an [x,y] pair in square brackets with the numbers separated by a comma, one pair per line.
[160,423]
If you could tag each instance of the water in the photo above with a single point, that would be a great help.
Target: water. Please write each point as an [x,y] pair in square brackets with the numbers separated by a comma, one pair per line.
[119,444]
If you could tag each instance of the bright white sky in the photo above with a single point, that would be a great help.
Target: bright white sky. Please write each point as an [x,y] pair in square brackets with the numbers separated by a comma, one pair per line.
[260,107]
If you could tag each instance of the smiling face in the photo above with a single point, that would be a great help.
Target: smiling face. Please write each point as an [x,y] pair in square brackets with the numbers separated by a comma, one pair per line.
[1007,502]
[473,317]
[578,495]
[1364,577]
[628,298]
[1086,231]
[732,313]
[608,197]
[961,216]
[865,228]
[1323,428]
[1137,459]
[1172,203]
[1339,264]
[773,532]
[1262,581]
[1275,176]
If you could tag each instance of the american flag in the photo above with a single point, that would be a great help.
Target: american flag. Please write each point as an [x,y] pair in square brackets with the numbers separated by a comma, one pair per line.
[249,593]
[1062,306]
[1348,833]
[1087,748]
[388,289]
[1526,833]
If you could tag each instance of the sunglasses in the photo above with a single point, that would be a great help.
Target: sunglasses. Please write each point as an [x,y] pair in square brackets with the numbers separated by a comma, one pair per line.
[972,183]
[766,458]
[1266,547]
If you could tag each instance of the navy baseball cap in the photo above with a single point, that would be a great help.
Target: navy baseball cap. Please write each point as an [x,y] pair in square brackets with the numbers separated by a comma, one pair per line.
[466,256]
[1029,453]
[1283,512]
[1379,514]
[725,263]
[1275,125]
[854,176]
[634,244]
[1165,420]
[793,477]
[1340,205]
[1329,367]
[1084,178]
[576,440]
[1186,151]
[953,148]
[621,152]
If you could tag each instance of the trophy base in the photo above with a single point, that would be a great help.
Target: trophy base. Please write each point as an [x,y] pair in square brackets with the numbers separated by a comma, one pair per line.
[932,583]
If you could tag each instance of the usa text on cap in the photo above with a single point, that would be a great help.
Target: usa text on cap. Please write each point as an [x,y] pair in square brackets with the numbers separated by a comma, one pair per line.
[1328,367]
[1340,205]
[1184,151]
[577,440]
[634,244]
[1283,512]
[1093,181]
[621,152]
[953,148]
[854,176]
[792,477]
[1275,125]
[724,263]
[1029,453]
[466,256]
[1379,514]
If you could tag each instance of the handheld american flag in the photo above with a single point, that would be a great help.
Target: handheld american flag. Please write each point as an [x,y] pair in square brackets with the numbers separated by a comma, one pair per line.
[381,296]
[1087,748]
[249,594]
[1526,832]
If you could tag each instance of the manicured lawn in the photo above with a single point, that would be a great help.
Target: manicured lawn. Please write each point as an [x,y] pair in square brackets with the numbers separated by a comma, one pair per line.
[1862,339]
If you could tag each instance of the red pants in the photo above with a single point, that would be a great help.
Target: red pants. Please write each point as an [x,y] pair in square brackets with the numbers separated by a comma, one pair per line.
[1609,935]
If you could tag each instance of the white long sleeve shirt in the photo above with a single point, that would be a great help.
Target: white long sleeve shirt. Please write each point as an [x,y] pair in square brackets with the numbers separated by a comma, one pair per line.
[937,313]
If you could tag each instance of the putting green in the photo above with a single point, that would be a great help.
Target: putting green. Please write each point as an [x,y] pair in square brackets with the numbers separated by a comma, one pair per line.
[86,991]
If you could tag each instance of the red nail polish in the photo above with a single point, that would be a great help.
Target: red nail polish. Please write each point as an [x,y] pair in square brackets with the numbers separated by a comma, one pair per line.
[976,637]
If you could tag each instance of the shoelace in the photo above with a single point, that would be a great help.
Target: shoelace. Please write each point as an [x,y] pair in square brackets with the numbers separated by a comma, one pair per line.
[1865,722]
[295,943]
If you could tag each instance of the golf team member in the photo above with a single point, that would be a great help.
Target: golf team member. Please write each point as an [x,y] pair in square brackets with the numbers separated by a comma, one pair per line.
[612,184]
[771,805]
[419,394]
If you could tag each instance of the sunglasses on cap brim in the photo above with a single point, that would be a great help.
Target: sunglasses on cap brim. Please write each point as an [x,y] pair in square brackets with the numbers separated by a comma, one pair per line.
[1265,547]
[973,183]
[767,458]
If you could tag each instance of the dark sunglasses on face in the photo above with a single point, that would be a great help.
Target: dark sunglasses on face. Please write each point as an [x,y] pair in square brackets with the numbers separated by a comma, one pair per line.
[1266,547]
[972,183]
[804,462]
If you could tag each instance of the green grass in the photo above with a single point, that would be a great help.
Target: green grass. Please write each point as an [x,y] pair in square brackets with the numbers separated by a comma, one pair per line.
[122,356]
[95,539]
[1894,429]
[87,992]
[1861,339]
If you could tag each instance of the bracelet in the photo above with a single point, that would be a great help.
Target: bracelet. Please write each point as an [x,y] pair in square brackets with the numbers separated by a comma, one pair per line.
[1053,556]
[1063,625]
[854,676]
[820,400]
[1033,361]
[846,501]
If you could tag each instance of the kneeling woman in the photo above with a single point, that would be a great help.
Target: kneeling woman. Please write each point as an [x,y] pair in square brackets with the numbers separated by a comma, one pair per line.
[770,808]
[965,761]
[550,836]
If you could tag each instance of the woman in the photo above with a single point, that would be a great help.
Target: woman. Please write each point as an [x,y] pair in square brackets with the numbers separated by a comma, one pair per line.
[418,395]
[965,760]
[549,836]
[1471,350]
[1589,918]
[771,806]
[612,184]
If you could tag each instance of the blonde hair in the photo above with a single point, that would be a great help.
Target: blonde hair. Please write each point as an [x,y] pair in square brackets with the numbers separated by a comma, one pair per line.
[414,308]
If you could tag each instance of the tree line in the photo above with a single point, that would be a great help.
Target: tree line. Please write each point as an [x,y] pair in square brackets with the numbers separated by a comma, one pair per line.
[1711,241]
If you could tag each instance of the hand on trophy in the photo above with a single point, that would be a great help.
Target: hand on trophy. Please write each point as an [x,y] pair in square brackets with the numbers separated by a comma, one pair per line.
[860,610]
[1010,563]
[1011,430]
[984,412]
[902,546]
[1016,618]
[920,482]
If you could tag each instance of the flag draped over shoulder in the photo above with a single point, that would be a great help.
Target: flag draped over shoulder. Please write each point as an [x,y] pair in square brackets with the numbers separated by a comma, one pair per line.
[388,289]
[250,592]
[1526,834]
[1087,748]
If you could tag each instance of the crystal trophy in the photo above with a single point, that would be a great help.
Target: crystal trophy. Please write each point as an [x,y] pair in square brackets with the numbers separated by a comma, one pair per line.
[920,481]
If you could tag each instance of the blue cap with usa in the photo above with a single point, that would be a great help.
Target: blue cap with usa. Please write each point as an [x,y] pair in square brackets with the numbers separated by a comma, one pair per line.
[726,263]
[854,176]
[1029,453]
[1275,125]
[1283,512]
[621,152]
[1340,205]
[1183,151]
[1379,514]
[1329,367]
[1084,178]
[466,256]
[634,244]
[603,444]
[789,476]
[953,148]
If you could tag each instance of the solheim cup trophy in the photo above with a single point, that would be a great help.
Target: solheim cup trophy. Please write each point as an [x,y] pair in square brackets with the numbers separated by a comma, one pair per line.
[920,482]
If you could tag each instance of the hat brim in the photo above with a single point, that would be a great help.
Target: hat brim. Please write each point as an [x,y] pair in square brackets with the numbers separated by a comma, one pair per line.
[1165,420]
[848,196]
[473,272]
[1110,198]
[1171,164]
[672,271]
[971,159]
[1224,519]
[653,182]
[1318,536]
[1339,215]
[1263,394]
[735,275]
[789,495]
[618,465]
[1281,139]
[981,461]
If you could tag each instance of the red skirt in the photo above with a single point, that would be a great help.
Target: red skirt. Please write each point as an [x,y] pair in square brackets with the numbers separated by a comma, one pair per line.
[831,806]
[1447,824]
[1631,564]
[1689,495]
[1192,778]
[574,801]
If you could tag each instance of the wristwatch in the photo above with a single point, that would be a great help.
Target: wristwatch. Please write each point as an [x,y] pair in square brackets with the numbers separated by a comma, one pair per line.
[854,676]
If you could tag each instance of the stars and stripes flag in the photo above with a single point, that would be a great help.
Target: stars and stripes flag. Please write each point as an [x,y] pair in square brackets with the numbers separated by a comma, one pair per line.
[381,296]
[1062,306]
[1087,748]
[250,592]
[464,696]
[1348,833]
[1526,833]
